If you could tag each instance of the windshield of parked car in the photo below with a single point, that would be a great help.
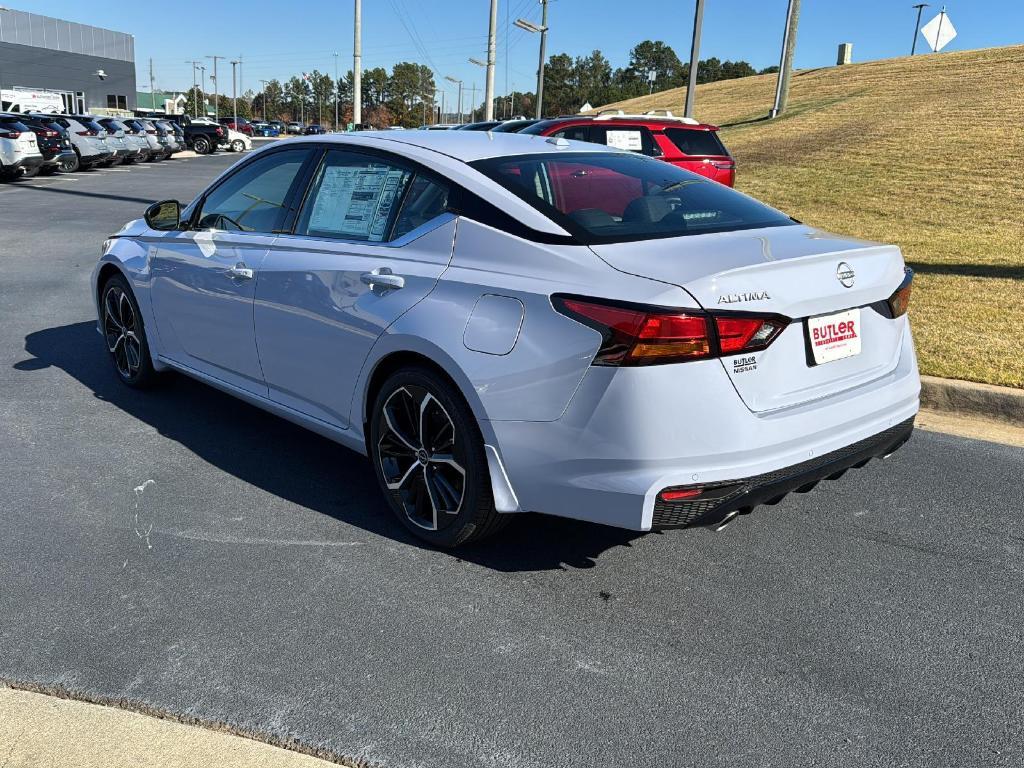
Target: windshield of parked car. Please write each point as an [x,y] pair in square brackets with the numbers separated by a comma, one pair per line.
[606,197]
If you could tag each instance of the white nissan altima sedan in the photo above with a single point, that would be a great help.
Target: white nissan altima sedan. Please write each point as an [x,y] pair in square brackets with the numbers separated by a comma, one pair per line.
[509,323]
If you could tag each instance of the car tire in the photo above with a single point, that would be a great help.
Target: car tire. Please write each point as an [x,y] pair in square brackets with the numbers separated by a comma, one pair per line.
[238,145]
[202,145]
[71,165]
[428,455]
[144,157]
[125,335]
[29,173]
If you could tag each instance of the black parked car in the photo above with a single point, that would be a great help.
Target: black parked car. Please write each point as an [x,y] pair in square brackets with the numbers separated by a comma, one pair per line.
[315,130]
[54,145]
[204,138]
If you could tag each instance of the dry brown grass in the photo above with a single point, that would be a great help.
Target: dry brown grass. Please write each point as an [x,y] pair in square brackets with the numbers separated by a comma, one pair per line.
[926,152]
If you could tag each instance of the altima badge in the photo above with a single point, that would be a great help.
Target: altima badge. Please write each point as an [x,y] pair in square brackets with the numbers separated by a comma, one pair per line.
[845,274]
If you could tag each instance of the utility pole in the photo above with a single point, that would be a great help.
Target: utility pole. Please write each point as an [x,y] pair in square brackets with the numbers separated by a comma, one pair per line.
[264,84]
[234,94]
[335,89]
[472,104]
[917,25]
[202,90]
[152,93]
[786,62]
[357,66]
[451,79]
[691,87]
[241,86]
[492,44]
[216,88]
[543,55]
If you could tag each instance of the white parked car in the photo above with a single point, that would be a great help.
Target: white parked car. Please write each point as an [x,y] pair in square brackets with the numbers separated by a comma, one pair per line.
[238,141]
[511,323]
[19,150]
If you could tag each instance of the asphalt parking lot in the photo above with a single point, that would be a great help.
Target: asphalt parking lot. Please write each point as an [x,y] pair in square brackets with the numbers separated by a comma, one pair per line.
[181,551]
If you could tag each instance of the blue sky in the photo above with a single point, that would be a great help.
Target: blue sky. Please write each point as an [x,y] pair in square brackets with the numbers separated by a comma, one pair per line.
[277,39]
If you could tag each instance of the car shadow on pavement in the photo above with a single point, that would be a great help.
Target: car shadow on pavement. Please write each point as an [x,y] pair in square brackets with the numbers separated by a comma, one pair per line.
[299,466]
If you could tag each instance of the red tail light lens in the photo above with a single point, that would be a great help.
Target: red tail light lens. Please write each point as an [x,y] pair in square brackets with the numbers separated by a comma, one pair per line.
[87,133]
[220,131]
[723,165]
[637,335]
[9,134]
[679,494]
[746,334]
[899,302]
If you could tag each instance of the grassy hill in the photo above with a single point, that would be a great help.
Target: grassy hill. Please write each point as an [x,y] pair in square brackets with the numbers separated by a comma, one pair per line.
[926,152]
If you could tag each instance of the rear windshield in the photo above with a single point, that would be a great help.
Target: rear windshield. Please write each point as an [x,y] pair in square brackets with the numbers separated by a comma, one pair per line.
[13,124]
[696,142]
[613,197]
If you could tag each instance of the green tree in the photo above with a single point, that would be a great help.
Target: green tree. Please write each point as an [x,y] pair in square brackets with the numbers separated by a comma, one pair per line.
[593,79]
[560,92]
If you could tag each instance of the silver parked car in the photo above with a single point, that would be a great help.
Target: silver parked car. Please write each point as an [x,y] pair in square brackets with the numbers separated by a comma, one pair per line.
[137,146]
[509,323]
[88,139]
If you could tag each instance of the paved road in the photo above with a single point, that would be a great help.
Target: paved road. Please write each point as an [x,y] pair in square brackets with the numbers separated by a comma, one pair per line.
[257,579]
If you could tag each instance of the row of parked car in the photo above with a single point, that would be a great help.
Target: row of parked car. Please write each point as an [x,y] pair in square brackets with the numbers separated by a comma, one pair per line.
[37,143]
[681,141]
[271,128]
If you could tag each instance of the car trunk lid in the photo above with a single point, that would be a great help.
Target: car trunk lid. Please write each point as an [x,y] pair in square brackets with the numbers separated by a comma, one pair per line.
[800,273]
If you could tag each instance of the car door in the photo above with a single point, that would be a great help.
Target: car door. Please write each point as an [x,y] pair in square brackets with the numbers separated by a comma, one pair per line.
[204,278]
[371,240]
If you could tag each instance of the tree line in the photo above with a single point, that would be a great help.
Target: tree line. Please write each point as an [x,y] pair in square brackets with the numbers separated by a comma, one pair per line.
[407,95]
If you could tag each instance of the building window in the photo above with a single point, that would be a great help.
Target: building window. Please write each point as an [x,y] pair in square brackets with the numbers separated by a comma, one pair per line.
[117,102]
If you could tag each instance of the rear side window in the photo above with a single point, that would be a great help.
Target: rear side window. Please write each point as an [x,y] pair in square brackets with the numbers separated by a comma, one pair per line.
[353,197]
[691,142]
[253,199]
[13,124]
[634,138]
[608,197]
[425,200]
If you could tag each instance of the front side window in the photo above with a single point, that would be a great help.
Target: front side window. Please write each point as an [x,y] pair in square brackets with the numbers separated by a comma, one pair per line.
[353,197]
[253,199]
[616,197]
[574,133]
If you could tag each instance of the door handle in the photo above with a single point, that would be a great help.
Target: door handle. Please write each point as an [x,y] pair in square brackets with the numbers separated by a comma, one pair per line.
[383,277]
[240,272]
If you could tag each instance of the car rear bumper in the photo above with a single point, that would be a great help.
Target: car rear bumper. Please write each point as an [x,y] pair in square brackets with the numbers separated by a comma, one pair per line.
[630,433]
[28,162]
[59,158]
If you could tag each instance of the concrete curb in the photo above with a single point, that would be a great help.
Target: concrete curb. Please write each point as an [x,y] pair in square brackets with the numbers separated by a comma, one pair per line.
[966,398]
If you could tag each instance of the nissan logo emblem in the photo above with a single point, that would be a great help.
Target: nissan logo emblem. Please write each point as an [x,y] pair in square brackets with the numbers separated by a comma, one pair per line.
[845,275]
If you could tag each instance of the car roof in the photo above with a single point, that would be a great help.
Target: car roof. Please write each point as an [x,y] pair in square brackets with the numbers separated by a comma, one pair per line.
[654,120]
[466,146]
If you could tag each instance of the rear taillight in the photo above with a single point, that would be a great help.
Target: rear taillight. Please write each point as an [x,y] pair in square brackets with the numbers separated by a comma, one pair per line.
[220,131]
[724,165]
[899,302]
[9,134]
[742,333]
[151,131]
[637,335]
[87,133]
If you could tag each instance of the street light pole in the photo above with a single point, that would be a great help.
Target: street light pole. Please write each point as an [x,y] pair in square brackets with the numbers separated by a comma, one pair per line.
[264,84]
[451,79]
[492,45]
[543,30]
[216,86]
[194,65]
[691,87]
[202,89]
[357,66]
[234,95]
[335,90]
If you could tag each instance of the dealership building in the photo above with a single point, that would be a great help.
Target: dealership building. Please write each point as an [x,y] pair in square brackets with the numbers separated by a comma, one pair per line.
[88,68]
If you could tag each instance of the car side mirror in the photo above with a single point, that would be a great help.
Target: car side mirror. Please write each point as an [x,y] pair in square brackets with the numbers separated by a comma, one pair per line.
[164,216]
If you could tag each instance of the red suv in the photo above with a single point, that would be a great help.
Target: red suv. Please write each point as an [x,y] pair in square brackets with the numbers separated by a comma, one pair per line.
[677,140]
[242,126]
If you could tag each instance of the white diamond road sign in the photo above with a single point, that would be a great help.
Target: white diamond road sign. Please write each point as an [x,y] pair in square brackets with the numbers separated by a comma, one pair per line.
[939,31]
